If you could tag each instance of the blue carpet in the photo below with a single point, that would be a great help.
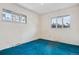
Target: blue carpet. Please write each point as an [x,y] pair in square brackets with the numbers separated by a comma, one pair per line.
[42,47]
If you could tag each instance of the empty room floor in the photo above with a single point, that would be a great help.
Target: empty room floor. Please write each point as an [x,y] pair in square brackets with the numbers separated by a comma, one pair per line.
[42,47]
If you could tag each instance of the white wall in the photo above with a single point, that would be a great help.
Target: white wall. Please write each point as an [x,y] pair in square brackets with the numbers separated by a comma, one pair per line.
[12,34]
[70,35]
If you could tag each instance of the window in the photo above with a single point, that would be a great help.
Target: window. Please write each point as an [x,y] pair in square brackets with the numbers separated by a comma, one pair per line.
[61,22]
[23,19]
[7,15]
[11,16]
[54,20]
[66,21]
[17,18]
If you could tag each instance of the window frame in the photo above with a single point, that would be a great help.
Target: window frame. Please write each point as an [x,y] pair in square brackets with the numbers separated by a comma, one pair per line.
[61,21]
[14,14]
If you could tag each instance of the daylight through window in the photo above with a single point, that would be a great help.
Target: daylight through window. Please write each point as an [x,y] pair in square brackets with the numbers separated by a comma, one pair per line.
[61,22]
[11,16]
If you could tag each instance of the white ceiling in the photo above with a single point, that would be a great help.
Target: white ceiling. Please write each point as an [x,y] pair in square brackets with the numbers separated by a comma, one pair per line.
[42,8]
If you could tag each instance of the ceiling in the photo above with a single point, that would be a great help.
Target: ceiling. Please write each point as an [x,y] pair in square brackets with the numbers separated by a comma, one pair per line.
[42,8]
